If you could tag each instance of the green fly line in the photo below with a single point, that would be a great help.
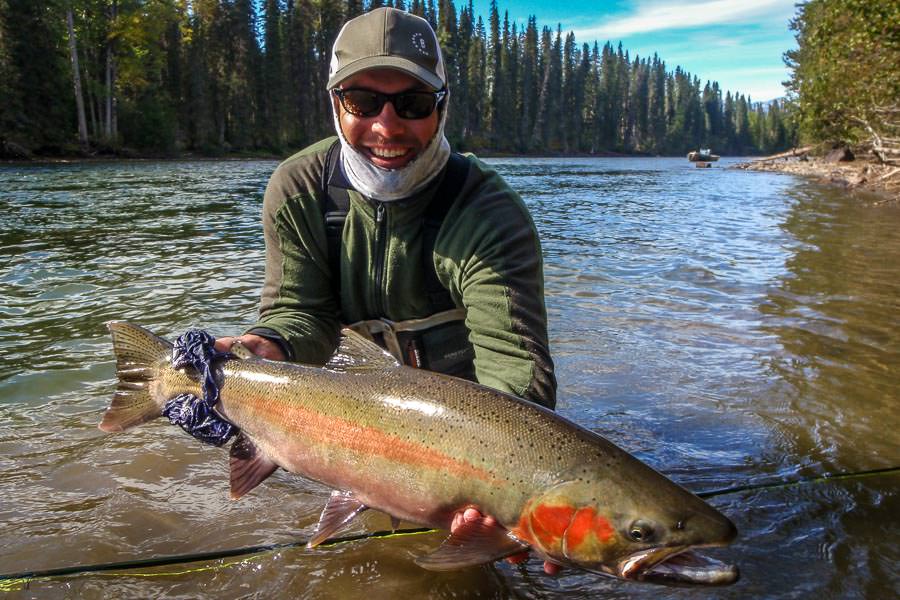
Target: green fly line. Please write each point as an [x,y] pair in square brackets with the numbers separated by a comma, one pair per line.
[17,581]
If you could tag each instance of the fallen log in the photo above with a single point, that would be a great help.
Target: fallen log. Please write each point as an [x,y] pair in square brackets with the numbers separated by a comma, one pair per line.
[789,154]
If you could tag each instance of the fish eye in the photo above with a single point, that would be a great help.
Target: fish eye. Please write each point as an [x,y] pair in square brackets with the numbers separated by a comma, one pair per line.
[640,531]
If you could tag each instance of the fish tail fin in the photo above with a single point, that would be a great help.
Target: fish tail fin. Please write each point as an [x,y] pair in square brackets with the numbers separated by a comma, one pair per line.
[139,356]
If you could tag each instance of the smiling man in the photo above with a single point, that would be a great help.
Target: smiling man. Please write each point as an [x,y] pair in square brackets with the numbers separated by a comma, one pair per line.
[385,230]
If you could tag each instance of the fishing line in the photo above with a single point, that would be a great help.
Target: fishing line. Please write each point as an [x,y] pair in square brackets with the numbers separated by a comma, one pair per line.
[17,579]
[14,581]
[774,485]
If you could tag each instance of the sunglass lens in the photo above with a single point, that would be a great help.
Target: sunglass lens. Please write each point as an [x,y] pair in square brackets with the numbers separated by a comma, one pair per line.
[362,103]
[414,105]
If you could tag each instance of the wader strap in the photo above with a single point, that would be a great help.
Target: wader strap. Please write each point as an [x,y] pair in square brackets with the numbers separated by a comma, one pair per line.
[335,207]
[455,174]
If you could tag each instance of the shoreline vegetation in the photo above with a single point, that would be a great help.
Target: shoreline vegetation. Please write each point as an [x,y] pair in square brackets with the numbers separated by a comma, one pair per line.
[242,80]
[864,171]
[23,157]
[218,77]
[844,95]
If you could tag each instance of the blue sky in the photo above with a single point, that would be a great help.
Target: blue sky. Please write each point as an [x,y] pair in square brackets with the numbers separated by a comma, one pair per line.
[738,43]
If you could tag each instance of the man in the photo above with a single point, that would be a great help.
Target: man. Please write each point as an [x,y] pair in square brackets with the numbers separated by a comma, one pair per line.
[428,253]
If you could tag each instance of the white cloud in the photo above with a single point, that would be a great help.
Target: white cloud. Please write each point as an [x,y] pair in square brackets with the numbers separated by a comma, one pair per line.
[683,14]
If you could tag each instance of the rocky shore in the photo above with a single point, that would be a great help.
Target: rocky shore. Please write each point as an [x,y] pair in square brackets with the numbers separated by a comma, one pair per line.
[840,167]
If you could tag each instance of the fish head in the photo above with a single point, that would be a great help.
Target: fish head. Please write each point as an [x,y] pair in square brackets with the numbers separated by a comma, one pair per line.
[650,538]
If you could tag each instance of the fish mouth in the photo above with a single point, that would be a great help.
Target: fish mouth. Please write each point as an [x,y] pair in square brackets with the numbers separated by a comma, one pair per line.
[678,565]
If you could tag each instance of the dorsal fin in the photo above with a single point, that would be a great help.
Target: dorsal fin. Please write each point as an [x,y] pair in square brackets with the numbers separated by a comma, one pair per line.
[356,353]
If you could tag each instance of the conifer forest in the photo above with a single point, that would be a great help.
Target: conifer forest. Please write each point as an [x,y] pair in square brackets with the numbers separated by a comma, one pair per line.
[214,77]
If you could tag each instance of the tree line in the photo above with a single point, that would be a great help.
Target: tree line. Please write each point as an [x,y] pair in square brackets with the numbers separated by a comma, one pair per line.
[845,81]
[217,76]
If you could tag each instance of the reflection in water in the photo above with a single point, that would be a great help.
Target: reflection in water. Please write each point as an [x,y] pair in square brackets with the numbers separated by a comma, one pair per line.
[836,312]
[727,327]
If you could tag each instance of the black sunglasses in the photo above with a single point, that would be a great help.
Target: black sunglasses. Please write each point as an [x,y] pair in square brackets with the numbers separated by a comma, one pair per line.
[408,105]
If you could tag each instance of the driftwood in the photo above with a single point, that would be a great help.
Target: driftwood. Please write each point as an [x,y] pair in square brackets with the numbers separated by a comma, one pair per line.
[887,149]
[789,154]
[889,174]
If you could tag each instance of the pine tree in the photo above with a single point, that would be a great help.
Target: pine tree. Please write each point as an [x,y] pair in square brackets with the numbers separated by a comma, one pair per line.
[474,127]
[494,85]
[39,88]
[529,84]
[273,98]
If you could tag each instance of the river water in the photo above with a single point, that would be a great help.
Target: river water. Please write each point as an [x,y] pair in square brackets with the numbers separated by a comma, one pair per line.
[727,327]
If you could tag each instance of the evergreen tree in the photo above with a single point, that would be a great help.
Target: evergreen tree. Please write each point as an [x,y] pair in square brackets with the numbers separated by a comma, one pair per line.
[494,84]
[214,75]
[41,104]
[530,76]
[274,93]
[477,62]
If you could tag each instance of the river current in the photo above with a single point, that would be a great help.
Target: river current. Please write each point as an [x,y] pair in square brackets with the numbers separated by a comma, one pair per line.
[729,328]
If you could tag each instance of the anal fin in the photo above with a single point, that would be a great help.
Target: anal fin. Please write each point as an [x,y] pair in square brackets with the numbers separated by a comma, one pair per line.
[341,508]
[249,466]
[472,543]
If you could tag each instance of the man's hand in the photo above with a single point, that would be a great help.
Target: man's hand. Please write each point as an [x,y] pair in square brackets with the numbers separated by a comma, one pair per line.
[258,345]
[470,515]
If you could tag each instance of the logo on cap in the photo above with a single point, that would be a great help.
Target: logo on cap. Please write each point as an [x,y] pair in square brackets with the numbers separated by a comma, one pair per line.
[418,42]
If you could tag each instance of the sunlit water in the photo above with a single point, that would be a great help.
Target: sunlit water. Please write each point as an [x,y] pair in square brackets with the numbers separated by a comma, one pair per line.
[727,327]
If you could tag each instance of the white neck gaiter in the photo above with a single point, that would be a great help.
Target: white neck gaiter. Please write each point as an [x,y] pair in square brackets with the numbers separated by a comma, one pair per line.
[387,185]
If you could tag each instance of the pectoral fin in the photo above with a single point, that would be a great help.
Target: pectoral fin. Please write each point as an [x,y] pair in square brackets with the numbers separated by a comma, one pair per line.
[249,466]
[472,543]
[341,508]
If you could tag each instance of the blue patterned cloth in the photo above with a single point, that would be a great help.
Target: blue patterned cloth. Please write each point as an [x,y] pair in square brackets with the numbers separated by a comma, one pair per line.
[195,349]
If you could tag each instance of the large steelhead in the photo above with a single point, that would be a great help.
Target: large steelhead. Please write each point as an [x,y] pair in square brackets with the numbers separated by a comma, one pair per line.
[421,446]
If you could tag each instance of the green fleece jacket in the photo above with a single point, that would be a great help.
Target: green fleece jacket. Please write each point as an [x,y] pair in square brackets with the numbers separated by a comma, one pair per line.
[487,254]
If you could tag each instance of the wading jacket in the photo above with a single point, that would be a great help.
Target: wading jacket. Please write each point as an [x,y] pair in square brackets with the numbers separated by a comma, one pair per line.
[487,254]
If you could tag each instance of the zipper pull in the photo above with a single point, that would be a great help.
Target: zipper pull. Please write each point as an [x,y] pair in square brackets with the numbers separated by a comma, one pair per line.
[379,213]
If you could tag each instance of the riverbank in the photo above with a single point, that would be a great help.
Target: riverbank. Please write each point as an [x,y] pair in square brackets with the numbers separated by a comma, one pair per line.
[842,168]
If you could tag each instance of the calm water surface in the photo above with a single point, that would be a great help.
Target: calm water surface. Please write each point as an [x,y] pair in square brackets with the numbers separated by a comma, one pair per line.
[727,327]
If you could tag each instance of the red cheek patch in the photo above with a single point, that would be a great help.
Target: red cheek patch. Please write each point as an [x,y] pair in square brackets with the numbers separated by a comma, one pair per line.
[549,524]
[603,529]
[585,522]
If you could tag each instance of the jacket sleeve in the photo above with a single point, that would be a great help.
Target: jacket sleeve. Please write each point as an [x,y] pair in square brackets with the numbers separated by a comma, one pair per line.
[492,249]
[297,302]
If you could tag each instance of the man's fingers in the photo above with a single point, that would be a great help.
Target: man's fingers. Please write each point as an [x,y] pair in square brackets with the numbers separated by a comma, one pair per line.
[471,514]
[258,345]
[223,344]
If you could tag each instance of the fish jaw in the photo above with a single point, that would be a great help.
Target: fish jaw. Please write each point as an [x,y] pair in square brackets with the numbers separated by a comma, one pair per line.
[677,566]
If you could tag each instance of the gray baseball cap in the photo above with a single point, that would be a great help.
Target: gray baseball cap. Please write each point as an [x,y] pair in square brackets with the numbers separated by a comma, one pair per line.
[388,38]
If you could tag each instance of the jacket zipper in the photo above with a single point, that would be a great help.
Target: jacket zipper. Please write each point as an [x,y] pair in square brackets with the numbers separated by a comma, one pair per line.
[380,244]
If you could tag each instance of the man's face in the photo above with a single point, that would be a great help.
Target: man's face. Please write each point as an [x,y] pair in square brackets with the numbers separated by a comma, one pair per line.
[385,139]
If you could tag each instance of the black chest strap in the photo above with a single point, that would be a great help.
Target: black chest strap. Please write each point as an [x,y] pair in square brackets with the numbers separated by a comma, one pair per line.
[337,205]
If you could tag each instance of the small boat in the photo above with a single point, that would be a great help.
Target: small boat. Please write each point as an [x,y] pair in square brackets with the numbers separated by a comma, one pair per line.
[702,155]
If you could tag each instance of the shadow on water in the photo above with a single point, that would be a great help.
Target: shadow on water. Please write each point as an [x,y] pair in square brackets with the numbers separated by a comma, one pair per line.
[726,327]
